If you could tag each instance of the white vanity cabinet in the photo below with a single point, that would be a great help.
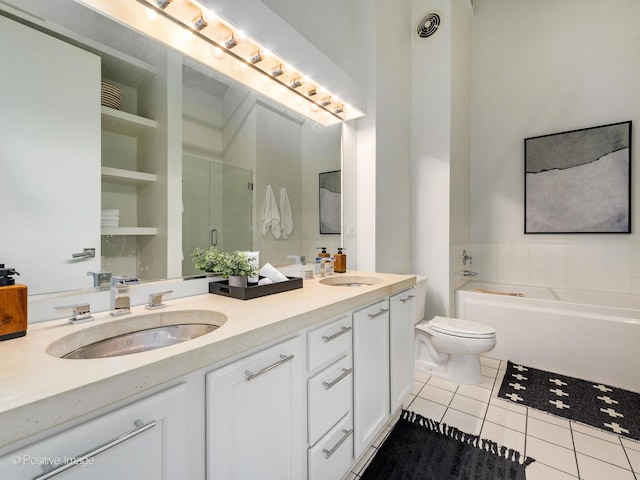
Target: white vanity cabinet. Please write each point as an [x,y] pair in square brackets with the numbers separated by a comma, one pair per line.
[371,373]
[254,426]
[330,400]
[401,356]
[144,440]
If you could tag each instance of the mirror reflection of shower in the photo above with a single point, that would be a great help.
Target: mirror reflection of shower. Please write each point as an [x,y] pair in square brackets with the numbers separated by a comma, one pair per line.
[217,208]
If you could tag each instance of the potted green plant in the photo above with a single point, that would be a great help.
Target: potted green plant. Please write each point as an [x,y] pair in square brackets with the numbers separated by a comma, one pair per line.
[233,266]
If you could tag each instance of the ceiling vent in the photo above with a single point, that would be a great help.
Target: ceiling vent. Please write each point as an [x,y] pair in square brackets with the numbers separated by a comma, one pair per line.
[428,25]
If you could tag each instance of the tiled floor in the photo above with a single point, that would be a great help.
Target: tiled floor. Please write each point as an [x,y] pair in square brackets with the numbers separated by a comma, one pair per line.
[563,450]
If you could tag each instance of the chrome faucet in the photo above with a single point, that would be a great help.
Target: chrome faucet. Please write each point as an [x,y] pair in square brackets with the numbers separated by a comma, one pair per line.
[326,267]
[81,313]
[100,278]
[155,300]
[469,273]
[120,299]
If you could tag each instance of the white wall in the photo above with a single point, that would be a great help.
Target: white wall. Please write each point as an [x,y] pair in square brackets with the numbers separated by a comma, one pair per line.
[544,67]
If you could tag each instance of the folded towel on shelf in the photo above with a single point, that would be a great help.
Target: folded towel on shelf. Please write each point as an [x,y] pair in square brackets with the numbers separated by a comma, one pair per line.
[109,223]
[110,212]
[273,274]
[286,216]
[270,214]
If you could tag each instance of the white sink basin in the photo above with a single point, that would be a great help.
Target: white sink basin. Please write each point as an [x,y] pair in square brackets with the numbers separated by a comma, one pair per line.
[350,281]
[137,334]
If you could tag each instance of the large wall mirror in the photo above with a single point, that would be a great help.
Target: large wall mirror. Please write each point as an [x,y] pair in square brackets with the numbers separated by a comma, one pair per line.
[186,161]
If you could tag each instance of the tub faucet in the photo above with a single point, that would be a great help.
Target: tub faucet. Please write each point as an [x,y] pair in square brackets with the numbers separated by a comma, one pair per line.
[469,273]
[120,299]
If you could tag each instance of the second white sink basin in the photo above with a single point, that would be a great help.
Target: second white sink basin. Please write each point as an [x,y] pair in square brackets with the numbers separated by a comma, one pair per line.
[350,281]
[136,334]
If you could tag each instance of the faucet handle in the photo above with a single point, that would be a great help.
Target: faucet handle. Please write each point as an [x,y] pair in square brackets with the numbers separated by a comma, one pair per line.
[81,313]
[100,278]
[155,300]
[300,259]
[123,281]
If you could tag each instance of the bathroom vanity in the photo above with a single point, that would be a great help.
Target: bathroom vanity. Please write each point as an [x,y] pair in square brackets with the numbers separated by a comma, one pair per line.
[289,386]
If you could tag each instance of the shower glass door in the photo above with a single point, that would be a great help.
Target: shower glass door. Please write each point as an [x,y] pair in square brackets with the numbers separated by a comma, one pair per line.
[217,208]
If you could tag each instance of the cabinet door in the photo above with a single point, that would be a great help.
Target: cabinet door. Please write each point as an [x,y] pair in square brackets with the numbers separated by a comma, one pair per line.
[401,346]
[254,416]
[145,440]
[371,373]
[49,159]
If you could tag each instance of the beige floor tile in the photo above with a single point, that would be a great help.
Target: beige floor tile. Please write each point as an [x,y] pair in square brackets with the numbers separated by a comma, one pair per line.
[545,417]
[600,449]
[469,405]
[552,455]
[595,432]
[436,394]
[549,432]
[463,421]
[634,458]
[503,436]
[540,471]
[474,391]
[507,405]
[442,383]
[428,409]
[507,418]
[594,469]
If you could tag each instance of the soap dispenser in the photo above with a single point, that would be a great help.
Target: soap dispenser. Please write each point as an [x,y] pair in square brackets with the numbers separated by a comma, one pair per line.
[323,253]
[340,261]
[13,305]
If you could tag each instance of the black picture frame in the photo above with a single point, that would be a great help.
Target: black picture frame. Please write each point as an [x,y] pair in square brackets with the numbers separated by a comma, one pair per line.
[579,181]
[330,202]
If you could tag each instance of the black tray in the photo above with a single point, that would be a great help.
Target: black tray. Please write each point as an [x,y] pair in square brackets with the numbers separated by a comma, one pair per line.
[253,290]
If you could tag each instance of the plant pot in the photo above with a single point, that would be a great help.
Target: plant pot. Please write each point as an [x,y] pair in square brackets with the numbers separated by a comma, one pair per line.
[236,281]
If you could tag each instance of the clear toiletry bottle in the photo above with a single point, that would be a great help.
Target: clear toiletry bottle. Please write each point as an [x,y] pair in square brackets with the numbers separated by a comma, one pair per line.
[340,261]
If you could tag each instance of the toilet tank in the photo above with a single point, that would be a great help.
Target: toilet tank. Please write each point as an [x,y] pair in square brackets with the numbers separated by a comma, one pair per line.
[421,298]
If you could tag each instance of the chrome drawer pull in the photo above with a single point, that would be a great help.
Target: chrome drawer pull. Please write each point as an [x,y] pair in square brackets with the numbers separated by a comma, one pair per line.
[345,372]
[328,453]
[382,310]
[80,459]
[404,300]
[337,334]
[284,359]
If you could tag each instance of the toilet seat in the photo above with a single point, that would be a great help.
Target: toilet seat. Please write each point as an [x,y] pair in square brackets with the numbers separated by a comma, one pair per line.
[459,328]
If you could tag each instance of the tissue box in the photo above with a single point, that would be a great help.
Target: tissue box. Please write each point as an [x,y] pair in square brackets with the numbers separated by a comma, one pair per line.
[253,290]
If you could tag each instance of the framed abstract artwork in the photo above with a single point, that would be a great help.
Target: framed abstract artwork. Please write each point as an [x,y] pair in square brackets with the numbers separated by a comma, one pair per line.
[330,202]
[579,181]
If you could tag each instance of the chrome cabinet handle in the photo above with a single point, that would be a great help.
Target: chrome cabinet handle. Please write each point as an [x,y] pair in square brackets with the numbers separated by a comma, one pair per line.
[140,428]
[382,310]
[345,372]
[213,237]
[404,300]
[85,253]
[335,335]
[328,453]
[283,359]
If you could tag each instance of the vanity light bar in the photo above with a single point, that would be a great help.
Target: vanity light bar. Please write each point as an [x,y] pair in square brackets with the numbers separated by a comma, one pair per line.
[206,27]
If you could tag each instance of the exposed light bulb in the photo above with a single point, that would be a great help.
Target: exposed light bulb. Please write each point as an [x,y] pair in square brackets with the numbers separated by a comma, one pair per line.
[218,52]
[151,15]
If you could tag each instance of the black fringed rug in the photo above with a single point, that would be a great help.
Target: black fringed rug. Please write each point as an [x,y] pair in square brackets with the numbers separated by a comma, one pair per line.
[419,448]
[607,408]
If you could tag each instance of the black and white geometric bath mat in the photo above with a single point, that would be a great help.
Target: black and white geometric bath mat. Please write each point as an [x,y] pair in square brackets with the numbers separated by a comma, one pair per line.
[608,408]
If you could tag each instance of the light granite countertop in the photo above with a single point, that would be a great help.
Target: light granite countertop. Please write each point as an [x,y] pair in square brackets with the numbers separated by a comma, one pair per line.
[40,391]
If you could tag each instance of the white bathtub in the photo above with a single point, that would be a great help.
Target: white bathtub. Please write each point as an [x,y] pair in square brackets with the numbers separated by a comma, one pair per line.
[585,334]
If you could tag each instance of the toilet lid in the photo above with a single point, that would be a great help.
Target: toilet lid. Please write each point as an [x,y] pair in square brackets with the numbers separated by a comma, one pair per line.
[461,328]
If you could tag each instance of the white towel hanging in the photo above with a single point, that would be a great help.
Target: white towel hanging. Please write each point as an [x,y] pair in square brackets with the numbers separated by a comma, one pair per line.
[286,220]
[270,214]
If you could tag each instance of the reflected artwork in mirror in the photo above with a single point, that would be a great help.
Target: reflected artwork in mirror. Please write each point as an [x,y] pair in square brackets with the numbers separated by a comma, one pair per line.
[129,182]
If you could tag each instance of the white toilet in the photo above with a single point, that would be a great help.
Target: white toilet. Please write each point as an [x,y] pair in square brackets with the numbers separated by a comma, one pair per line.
[449,347]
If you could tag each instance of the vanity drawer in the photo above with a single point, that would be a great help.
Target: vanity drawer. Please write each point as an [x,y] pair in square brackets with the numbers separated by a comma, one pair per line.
[329,342]
[330,395]
[331,458]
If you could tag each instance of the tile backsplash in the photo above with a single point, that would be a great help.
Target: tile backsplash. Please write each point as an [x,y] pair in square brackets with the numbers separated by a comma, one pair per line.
[605,267]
